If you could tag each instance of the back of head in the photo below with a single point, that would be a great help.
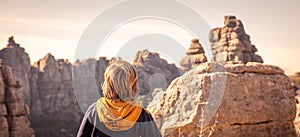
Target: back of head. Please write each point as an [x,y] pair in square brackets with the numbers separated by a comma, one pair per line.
[120,81]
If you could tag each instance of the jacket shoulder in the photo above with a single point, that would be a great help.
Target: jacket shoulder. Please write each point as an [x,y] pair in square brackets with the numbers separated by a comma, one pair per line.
[145,116]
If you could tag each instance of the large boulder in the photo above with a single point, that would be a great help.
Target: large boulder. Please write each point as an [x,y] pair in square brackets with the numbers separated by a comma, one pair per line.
[227,100]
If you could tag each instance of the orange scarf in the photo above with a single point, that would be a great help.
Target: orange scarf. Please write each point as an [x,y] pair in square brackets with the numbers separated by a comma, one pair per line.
[118,115]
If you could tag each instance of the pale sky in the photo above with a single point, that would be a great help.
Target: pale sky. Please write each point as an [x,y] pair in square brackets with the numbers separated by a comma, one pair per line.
[56,26]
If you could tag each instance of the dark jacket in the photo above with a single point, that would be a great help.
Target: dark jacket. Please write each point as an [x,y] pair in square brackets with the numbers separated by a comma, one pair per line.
[92,127]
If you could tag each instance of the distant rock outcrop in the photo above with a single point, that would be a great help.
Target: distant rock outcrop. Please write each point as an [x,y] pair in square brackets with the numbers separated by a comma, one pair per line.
[52,86]
[153,71]
[88,77]
[231,43]
[14,112]
[195,56]
[227,100]
[54,107]
[15,56]
[49,87]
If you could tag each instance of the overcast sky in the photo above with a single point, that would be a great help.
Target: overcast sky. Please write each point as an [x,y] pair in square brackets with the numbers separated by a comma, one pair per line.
[56,26]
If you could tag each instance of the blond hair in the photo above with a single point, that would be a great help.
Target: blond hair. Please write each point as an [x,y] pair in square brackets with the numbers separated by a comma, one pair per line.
[120,81]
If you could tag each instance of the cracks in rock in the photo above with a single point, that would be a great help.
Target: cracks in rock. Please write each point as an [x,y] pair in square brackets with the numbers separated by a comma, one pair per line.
[257,123]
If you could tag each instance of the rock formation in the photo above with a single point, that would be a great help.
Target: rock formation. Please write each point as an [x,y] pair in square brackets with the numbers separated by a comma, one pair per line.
[153,71]
[52,86]
[14,113]
[297,119]
[88,77]
[54,108]
[62,123]
[295,79]
[16,57]
[227,100]
[195,56]
[231,43]
[49,87]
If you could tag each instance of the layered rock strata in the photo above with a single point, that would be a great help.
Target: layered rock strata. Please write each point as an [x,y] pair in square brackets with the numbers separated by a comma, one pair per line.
[195,56]
[51,85]
[14,121]
[231,43]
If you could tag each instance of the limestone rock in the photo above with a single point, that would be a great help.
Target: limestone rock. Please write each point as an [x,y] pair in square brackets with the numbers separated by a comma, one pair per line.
[53,82]
[231,43]
[101,65]
[195,56]
[53,101]
[85,83]
[88,77]
[35,105]
[216,99]
[16,57]
[63,123]
[14,121]
[295,79]
[4,128]
[153,71]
